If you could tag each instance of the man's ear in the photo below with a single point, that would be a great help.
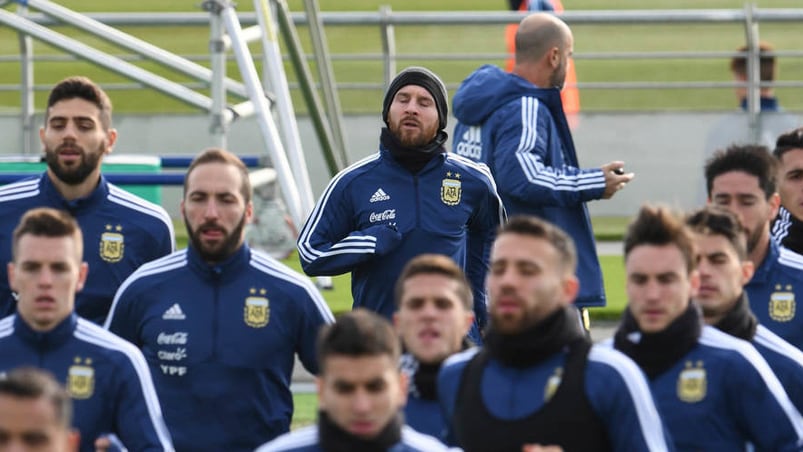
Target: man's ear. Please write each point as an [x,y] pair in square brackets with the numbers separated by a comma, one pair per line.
[748,269]
[469,321]
[570,287]
[73,441]
[111,135]
[404,381]
[319,390]
[554,57]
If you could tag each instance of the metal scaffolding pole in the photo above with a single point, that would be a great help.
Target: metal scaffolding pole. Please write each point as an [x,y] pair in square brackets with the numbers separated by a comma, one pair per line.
[307,87]
[134,44]
[26,76]
[326,76]
[284,105]
[104,60]
[266,125]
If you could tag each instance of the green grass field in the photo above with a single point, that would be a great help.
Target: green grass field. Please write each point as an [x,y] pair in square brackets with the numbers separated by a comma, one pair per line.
[435,40]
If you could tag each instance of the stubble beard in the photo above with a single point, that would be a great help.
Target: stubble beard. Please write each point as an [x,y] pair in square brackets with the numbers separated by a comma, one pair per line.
[230,243]
[78,174]
[416,139]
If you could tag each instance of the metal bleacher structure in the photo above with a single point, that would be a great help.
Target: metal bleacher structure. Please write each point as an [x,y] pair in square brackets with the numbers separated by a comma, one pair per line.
[317,144]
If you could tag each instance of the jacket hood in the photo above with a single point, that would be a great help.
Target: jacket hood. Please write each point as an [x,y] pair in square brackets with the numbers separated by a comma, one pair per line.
[487,89]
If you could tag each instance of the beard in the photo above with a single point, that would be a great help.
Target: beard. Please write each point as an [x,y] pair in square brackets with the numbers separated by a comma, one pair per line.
[753,238]
[414,139]
[558,77]
[76,174]
[512,323]
[221,250]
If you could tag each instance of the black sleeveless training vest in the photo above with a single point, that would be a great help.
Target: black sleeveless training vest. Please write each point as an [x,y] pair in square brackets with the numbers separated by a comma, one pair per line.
[566,420]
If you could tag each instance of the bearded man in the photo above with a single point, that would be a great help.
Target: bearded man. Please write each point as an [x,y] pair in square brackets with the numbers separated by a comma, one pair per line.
[220,323]
[121,230]
[408,199]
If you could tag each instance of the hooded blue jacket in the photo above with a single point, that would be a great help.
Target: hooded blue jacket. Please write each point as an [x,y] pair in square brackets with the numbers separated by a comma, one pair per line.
[521,133]
[106,377]
[121,232]
[221,342]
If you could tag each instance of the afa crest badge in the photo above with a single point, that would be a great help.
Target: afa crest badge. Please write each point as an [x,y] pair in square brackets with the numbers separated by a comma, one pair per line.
[553,383]
[451,189]
[81,379]
[692,383]
[112,244]
[782,304]
[257,309]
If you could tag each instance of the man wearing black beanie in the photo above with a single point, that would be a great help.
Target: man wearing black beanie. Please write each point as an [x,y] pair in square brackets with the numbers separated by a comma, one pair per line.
[410,198]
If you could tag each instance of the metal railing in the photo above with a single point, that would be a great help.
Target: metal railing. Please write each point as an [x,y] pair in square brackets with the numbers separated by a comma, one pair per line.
[387,20]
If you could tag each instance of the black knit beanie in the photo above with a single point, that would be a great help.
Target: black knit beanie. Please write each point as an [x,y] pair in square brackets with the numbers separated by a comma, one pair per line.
[416,75]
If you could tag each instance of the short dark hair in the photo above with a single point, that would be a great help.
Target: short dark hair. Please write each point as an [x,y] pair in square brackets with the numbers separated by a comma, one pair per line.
[752,159]
[436,264]
[357,333]
[217,155]
[32,384]
[542,229]
[659,226]
[82,88]
[715,220]
[766,62]
[792,139]
[47,222]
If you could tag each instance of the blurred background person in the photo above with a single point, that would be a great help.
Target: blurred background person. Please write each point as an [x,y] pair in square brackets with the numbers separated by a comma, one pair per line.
[570,95]
[361,392]
[35,413]
[434,313]
[787,228]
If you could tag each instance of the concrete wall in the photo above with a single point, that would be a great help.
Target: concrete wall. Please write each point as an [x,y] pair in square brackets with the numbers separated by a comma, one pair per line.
[665,150]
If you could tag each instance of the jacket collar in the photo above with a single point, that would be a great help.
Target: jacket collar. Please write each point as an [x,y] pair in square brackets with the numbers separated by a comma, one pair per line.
[52,194]
[436,161]
[58,335]
[223,271]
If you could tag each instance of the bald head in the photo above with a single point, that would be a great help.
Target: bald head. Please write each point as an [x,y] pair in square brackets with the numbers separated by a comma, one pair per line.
[537,34]
[544,45]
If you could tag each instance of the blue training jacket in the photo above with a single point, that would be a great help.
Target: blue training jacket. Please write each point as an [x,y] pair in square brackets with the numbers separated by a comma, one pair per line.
[785,360]
[121,232]
[375,216]
[722,395]
[221,343]
[106,377]
[422,414]
[521,133]
[614,386]
[306,440]
[773,292]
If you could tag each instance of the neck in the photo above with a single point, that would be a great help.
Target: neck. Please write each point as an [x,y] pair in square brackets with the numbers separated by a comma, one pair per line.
[533,74]
[712,318]
[759,253]
[72,192]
